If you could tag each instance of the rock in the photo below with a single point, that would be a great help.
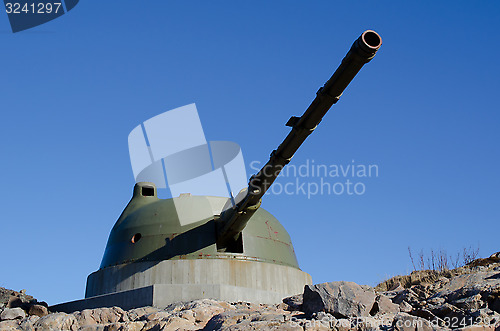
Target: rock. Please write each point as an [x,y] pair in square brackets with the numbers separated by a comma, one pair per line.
[176,323]
[101,316]
[493,259]
[138,313]
[431,302]
[197,312]
[129,326]
[10,325]
[444,310]
[423,291]
[57,321]
[406,295]
[405,307]
[467,284]
[29,323]
[7,295]
[396,287]
[187,315]
[268,317]
[485,316]
[265,326]
[96,327]
[246,305]
[155,326]
[226,319]
[158,316]
[406,322]
[294,302]
[14,302]
[473,302]
[495,305]
[12,314]
[324,317]
[203,314]
[246,317]
[424,313]
[343,324]
[311,325]
[424,277]
[204,303]
[38,310]
[478,328]
[493,299]
[383,305]
[370,323]
[341,299]
[436,301]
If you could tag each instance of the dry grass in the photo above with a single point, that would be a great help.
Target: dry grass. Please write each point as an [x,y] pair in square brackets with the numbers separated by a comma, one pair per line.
[429,268]
[440,261]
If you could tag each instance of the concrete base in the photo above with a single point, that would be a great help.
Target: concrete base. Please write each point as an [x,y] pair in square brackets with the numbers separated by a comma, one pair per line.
[160,284]
[161,295]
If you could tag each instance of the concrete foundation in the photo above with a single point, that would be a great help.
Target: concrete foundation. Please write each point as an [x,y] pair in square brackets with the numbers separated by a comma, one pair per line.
[159,284]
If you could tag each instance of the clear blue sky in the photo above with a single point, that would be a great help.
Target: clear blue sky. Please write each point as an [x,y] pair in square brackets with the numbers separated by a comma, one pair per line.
[425,110]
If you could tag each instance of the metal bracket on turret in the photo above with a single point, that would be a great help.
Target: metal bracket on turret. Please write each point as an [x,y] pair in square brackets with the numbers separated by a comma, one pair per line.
[327,96]
[273,156]
[292,121]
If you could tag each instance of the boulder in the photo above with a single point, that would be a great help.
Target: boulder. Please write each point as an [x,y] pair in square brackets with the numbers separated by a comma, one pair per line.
[10,325]
[341,299]
[226,319]
[470,284]
[179,323]
[28,323]
[157,316]
[406,295]
[98,327]
[38,310]
[247,319]
[57,321]
[137,314]
[155,326]
[12,314]
[444,310]
[101,316]
[405,307]
[203,314]
[14,302]
[493,299]
[424,313]
[294,302]
[406,322]
[473,302]
[486,316]
[131,326]
[383,305]
[478,328]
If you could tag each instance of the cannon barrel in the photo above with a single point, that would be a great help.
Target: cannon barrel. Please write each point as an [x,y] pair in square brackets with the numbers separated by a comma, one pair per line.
[233,221]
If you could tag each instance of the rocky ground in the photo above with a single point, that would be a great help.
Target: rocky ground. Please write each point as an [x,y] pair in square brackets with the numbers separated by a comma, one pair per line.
[467,298]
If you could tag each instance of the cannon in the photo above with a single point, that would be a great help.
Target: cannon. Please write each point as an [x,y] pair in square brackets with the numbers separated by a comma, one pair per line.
[233,221]
[237,253]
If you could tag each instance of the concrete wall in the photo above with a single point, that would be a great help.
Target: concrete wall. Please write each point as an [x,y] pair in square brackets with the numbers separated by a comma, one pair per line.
[160,284]
[231,280]
[161,295]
